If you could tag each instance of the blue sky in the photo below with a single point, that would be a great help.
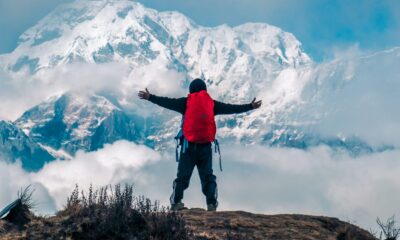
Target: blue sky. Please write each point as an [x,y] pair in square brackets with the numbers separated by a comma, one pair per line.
[323,26]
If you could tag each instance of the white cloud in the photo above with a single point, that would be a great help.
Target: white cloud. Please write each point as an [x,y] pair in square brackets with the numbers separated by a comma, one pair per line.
[356,95]
[158,80]
[119,162]
[255,178]
[22,91]
[114,163]
[318,181]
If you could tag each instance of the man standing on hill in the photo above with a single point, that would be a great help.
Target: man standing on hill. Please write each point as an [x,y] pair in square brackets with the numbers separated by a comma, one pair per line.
[199,129]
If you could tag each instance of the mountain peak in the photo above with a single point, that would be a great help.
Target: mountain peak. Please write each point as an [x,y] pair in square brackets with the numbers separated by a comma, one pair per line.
[104,31]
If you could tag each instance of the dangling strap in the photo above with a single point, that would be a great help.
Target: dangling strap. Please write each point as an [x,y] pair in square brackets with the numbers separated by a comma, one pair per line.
[178,139]
[216,144]
[177,148]
[185,145]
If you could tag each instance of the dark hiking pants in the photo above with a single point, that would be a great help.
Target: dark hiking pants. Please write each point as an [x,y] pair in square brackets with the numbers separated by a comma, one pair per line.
[199,155]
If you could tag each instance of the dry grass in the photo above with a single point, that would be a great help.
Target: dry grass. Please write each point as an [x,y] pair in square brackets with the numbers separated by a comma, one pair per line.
[105,213]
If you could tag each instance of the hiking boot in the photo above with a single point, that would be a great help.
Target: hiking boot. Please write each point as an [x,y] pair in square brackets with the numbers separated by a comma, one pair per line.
[178,206]
[212,207]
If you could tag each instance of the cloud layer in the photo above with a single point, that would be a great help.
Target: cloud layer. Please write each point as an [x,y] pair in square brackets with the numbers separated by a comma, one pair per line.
[120,162]
[23,91]
[358,96]
[255,178]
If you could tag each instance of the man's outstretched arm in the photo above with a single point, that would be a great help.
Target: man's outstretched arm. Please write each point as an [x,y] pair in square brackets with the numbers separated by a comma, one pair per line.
[174,104]
[225,108]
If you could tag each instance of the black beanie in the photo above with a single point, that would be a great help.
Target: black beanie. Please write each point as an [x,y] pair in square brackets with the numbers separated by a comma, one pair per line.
[197,85]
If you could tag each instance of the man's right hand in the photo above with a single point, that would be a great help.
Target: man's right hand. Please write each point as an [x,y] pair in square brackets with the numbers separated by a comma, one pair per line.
[144,94]
[256,104]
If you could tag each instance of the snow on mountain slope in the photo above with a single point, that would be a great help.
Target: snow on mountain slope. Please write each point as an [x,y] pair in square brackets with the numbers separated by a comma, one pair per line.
[72,122]
[246,57]
[15,145]
[97,31]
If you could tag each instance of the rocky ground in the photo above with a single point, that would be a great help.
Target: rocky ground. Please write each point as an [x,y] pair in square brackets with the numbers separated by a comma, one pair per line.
[211,225]
[244,225]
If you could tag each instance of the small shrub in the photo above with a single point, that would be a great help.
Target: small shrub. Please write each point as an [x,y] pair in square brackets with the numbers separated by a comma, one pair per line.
[21,214]
[349,233]
[115,213]
[389,230]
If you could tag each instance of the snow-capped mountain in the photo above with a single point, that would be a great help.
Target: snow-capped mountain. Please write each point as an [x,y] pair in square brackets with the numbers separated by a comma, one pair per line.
[103,31]
[77,122]
[248,57]
[238,63]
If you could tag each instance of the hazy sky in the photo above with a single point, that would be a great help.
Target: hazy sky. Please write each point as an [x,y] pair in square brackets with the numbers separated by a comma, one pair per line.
[323,26]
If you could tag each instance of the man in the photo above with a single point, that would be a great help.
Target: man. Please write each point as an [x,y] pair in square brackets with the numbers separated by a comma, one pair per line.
[199,129]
